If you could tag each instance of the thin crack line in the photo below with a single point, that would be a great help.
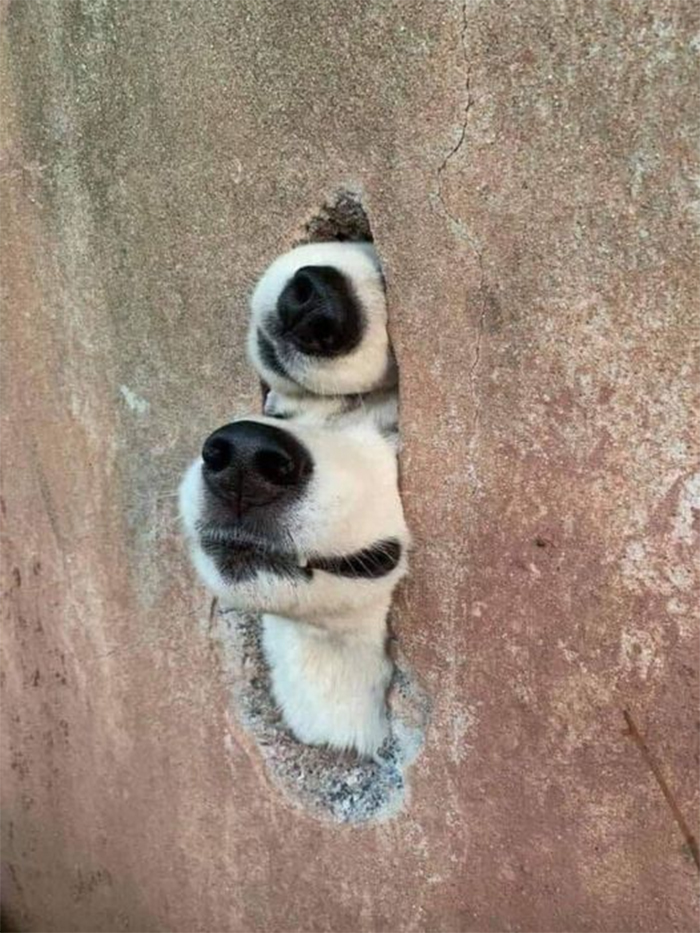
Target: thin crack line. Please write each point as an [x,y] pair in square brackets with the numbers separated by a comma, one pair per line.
[463,233]
[482,317]
[468,104]
[454,220]
[653,765]
[453,152]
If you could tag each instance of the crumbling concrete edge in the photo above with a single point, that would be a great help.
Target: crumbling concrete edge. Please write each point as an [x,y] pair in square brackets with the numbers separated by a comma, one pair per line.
[334,786]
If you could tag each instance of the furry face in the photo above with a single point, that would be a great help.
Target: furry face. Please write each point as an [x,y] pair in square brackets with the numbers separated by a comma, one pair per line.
[296,514]
[297,520]
[318,322]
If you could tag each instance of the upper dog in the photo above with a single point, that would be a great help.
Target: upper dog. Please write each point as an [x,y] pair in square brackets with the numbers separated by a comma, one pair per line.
[296,513]
[319,322]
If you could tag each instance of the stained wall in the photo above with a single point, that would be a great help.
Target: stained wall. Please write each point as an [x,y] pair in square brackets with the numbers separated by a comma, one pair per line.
[530,171]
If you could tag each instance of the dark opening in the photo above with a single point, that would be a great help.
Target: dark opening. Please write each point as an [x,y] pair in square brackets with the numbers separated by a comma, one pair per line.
[343,218]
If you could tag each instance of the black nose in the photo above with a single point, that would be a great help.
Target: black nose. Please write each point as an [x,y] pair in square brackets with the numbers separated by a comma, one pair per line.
[250,465]
[319,313]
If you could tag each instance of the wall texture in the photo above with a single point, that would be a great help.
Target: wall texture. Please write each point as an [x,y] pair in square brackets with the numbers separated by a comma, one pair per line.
[531,175]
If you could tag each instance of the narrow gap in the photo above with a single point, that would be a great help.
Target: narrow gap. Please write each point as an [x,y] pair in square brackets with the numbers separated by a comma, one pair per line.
[340,787]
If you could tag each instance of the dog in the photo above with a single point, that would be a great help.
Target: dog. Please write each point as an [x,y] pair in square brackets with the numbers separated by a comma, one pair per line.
[319,322]
[296,513]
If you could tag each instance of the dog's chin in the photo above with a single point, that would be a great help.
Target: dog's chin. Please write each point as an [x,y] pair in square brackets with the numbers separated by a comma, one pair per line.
[293,373]
[239,559]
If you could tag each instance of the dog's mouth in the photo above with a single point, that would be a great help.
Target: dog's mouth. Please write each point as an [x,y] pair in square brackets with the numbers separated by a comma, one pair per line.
[277,354]
[238,558]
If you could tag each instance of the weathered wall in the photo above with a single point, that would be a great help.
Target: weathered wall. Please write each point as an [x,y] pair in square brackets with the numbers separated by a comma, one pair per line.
[529,170]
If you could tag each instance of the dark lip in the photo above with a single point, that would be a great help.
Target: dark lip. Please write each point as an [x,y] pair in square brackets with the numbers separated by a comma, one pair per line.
[271,346]
[242,555]
[238,552]
[235,544]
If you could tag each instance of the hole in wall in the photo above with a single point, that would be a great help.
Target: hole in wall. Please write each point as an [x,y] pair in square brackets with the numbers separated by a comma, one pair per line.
[341,218]
[333,786]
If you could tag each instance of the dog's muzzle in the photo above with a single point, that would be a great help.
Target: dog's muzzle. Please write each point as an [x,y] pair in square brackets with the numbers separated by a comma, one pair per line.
[318,313]
[249,466]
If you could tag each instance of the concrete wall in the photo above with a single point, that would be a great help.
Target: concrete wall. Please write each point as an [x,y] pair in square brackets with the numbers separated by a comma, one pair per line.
[530,172]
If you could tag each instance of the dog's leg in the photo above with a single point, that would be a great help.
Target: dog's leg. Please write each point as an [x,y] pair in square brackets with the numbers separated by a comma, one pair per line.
[331,685]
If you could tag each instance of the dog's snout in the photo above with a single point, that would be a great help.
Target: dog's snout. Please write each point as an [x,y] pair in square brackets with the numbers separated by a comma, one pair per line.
[249,464]
[318,312]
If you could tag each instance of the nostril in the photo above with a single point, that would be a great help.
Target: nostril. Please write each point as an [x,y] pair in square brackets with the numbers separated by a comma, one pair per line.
[276,467]
[302,288]
[316,335]
[217,453]
[299,299]
[325,331]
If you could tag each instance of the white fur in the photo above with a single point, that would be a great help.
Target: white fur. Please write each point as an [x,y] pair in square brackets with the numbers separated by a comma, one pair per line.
[369,366]
[330,686]
[324,638]
[380,408]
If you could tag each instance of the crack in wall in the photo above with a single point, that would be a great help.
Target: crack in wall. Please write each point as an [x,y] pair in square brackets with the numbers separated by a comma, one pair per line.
[336,786]
[461,231]
[468,104]
[456,221]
